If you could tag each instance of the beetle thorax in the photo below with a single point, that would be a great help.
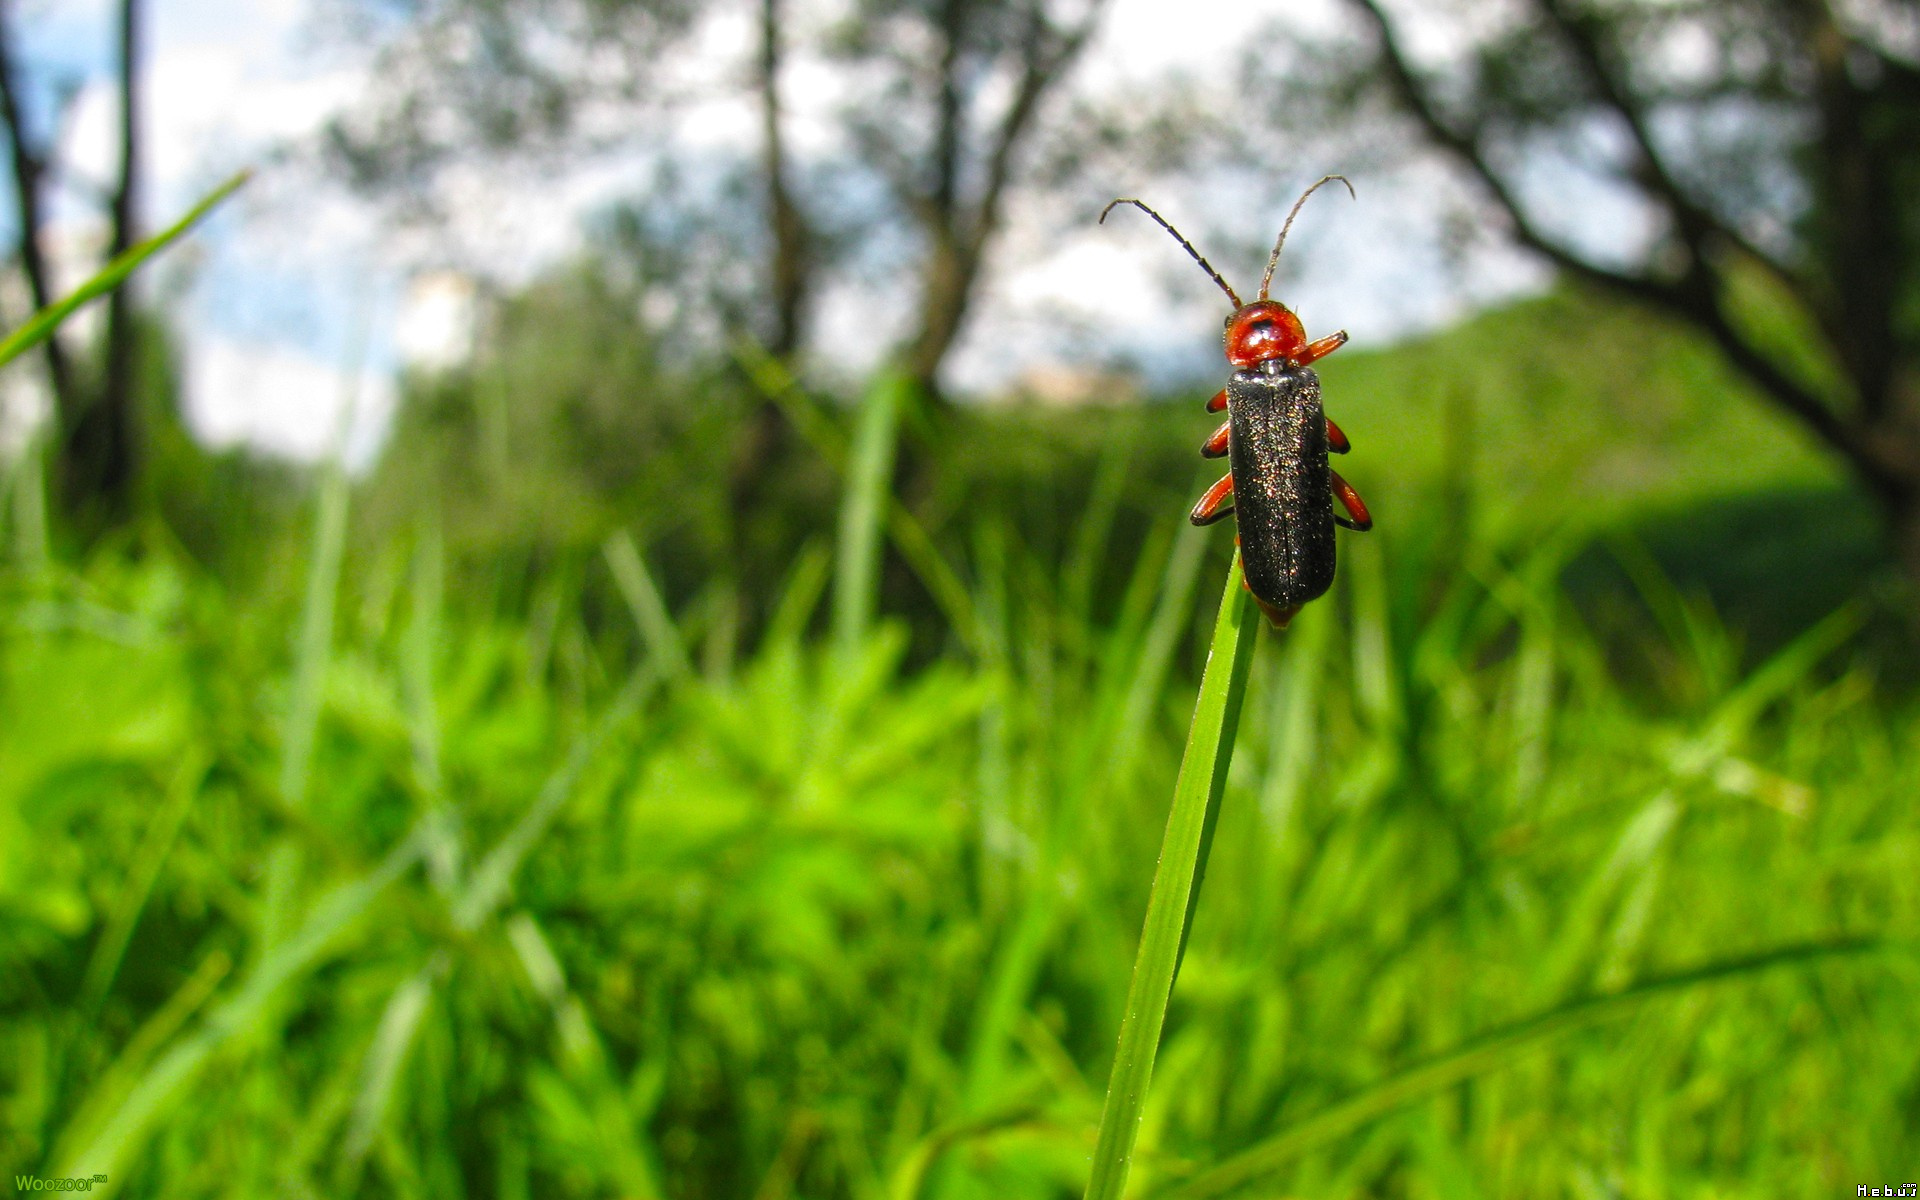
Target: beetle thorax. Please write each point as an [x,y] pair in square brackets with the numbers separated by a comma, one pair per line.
[1263,331]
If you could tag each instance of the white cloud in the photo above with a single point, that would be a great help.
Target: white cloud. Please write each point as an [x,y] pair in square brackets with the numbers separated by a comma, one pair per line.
[284,401]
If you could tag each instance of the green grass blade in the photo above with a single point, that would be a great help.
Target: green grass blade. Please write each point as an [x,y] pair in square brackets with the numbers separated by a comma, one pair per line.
[27,497]
[155,846]
[617,1129]
[314,648]
[386,1057]
[492,878]
[313,652]
[1171,619]
[908,1180]
[133,1113]
[1487,1052]
[916,546]
[1196,797]
[869,484]
[40,326]
[649,608]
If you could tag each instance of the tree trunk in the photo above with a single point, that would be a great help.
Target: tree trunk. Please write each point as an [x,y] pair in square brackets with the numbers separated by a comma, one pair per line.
[790,273]
[29,167]
[767,438]
[102,447]
[1893,443]
[948,287]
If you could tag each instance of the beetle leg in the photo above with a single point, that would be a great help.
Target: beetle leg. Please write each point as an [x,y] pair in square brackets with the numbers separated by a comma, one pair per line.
[1337,439]
[1351,501]
[1214,504]
[1218,402]
[1216,445]
[1320,349]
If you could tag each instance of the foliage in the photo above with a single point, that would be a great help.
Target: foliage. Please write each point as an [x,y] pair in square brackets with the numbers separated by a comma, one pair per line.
[583,415]
[1765,149]
[445,896]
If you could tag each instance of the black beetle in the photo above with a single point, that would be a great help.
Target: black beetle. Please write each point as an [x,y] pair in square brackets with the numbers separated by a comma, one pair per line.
[1277,439]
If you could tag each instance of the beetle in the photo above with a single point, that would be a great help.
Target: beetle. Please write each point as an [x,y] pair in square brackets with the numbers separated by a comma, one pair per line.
[1277,439]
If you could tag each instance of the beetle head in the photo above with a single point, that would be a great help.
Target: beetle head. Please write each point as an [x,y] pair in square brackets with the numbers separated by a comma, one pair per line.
[1262,331]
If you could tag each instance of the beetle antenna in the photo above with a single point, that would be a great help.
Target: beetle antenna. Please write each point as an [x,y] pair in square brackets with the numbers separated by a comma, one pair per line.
[1204,264]
[1266,281]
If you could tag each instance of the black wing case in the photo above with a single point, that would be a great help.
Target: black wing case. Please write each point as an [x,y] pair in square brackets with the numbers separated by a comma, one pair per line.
[1282,485]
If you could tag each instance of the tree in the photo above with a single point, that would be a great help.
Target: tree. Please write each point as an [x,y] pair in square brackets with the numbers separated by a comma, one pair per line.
[1775,145]
[945,99]
[30,165]
[941,105]
[955,101]
[98,441]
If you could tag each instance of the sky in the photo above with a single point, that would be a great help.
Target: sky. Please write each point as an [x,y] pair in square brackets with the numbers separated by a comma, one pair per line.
[297,304]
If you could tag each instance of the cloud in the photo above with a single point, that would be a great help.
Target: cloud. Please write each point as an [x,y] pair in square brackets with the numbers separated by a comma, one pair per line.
[284,401]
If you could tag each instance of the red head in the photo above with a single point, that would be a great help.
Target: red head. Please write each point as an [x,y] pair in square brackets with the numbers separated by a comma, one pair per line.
[1265,329]
[1261,331]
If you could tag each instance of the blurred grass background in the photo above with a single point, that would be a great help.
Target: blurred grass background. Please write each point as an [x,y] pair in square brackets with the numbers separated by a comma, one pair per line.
[669,768]
[508,822]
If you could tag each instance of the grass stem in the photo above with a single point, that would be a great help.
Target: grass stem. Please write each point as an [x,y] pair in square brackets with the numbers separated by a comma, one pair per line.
[1176,886]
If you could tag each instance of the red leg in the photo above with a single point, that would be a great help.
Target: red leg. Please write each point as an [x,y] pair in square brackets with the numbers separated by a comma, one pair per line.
[1218,402]
[1337,439]
[1214,504]
[1351,501]
[1216,445]
[1315,351]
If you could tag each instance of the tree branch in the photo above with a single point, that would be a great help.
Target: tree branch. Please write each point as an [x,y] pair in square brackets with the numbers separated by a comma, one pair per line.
[1040,71]
[1693,299]
[1467,149]
[1697,225]
[1860,222]
[791,270]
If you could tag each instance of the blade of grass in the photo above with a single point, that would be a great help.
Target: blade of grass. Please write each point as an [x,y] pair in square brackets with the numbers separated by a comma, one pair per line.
[869,484]
[1093,531]
[648,607]
[87,1149]
[618,1129]
[420,653]
[132,901]
[909,536]
[1171,619]
[41,325]
[1196,798]
[111,1086]
[1487,1052]
[27,489]
[314,648]
[313,651]
[908,1179]
[492,877]
[386,1056]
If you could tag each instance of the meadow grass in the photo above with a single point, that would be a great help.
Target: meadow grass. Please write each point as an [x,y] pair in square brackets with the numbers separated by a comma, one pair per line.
[578,914]
[362,883]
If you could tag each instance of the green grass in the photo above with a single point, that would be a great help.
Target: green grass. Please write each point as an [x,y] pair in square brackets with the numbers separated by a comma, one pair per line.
[40,325]
[1177,878]
[574,916]
[1531,875]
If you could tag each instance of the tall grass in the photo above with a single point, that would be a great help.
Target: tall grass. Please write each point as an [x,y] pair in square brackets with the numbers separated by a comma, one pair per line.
[1486,914]
[1176,885]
